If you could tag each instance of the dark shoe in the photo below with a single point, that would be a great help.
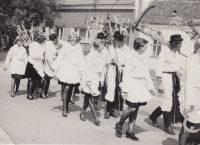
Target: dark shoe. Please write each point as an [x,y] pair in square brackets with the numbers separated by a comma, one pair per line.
[107,115]
[118,128]
[154,122]
[131,136]
[29,97]
[47,96]
[43,96]
[113,114]
[169,130]
[71,101]
[12,95]
[82,117]
[34,97]
[96,122]
[64,114]
[16,93]
[68,111]
[97,108]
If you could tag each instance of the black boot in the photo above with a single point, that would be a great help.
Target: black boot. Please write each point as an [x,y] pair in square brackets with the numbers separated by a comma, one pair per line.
[43,95]
[155,114]
[131,136]
[118,128]
[167,122]
[112,113]
[30,90]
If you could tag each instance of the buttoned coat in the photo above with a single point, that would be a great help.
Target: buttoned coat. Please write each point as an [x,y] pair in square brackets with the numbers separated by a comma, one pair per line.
[16,59]
[96,63]
[190,92]
[70,64]
[136,79]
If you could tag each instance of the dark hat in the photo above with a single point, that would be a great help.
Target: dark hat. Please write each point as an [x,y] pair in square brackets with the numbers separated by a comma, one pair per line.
[118,35]
[101,36]
[175,37]
[175,12]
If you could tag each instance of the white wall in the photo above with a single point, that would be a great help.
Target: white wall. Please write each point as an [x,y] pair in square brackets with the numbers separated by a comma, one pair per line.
[187,45]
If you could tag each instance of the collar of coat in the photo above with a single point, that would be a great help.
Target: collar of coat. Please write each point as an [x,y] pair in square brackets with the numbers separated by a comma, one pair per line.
[69,48]
[140,57]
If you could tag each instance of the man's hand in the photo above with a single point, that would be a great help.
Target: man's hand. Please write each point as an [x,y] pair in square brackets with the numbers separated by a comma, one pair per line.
[124,95]
[153,92]
[188,109]
[120,68]
[101,83]
[88,84]
[161,88]
[5,68]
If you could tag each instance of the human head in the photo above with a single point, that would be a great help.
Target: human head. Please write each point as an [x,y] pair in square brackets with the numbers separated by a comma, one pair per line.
[175,42]
[73,38]
[140,45]
[118,38]
[18,41]
[196,46]
[98,44]
[53,37]
[40,39]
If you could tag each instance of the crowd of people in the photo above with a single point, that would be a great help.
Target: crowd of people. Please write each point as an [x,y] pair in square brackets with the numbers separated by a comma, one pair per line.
[112,66]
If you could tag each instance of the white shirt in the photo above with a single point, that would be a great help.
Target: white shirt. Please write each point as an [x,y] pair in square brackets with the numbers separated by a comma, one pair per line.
[169,62]
[122,53]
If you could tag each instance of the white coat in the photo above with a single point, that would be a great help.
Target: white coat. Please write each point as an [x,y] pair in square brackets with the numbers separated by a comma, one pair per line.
[190,92]
[168,62]
[50,57]
[70,64]
[16,58]
[36,57]
[120,54]
[136,79]
[96,63]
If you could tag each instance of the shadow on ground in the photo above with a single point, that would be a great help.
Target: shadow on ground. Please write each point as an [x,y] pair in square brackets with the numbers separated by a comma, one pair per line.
[170,141]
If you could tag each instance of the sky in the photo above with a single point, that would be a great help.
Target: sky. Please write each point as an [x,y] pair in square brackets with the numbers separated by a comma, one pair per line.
[145,4]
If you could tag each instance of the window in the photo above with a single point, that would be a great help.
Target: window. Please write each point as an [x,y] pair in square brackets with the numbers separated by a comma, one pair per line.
[84,34]
[156,48]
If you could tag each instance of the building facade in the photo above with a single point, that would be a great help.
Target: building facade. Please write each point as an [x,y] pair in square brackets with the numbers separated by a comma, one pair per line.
[75,13]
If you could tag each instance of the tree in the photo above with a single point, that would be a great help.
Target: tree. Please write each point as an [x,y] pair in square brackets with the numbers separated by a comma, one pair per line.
[30,12]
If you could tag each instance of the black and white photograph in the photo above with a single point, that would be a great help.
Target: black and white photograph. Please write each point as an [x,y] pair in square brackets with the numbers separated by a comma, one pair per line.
[100,72]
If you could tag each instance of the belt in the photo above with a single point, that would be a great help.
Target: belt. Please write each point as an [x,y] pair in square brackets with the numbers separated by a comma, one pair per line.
[175,112]
[173,73]
[116,65]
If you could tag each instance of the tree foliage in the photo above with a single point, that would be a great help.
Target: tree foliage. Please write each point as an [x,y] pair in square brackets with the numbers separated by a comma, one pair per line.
[29,12]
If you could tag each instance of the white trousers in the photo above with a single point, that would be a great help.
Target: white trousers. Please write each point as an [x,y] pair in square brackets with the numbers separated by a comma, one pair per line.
[111,83]
[166,104]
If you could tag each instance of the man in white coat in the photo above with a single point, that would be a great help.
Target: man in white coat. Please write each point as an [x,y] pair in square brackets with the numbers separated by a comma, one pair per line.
[118,55]
[169,64]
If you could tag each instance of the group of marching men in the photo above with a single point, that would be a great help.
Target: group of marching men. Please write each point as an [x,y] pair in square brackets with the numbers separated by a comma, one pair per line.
[128,79]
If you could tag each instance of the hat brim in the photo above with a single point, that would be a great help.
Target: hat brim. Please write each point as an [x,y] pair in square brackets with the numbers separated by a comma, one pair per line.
[176,40]
[102,37]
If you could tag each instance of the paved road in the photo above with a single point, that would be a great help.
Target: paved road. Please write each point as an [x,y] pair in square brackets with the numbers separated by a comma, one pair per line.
[41,122]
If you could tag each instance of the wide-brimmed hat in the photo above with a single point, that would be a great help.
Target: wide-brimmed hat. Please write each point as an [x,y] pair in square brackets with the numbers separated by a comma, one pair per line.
[101,36]
[118,35]
[175,37]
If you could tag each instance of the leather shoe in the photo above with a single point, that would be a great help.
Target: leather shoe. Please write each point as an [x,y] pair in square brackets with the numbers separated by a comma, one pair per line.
[118,128]
[72,102]
[154,122]
[97,108]
[113,114]
[107,115]
[82,117]
[131,136]
[169,130]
